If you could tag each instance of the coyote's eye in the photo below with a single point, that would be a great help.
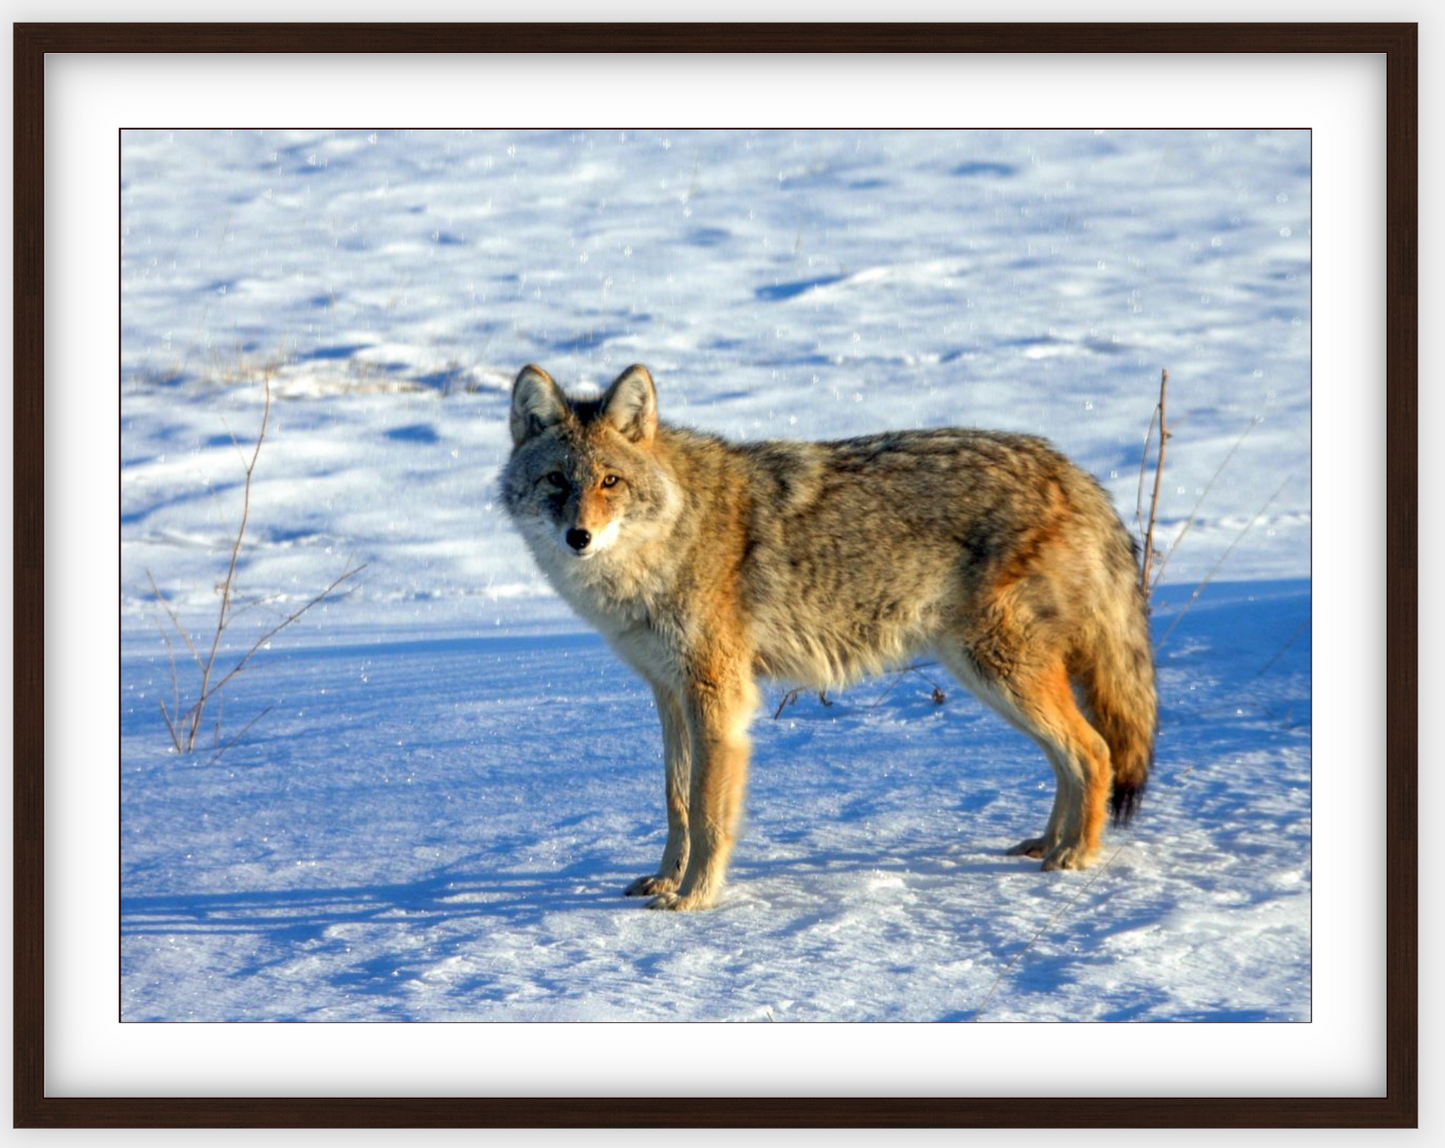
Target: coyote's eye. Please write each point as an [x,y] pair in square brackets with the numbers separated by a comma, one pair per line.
[557,479]
[609,481]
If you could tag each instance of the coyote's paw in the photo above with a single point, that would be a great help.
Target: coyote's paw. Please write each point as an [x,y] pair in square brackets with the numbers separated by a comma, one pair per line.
[650,886]
[1068,857]
[1030,847]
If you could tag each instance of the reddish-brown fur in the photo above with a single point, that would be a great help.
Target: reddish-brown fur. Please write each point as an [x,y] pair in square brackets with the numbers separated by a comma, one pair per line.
[819,563]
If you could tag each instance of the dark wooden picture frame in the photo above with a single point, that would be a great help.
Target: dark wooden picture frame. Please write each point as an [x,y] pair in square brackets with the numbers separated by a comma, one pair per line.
[1398,44]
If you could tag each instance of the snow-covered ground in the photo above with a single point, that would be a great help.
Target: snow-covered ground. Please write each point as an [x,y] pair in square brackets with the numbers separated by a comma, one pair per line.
[451,779]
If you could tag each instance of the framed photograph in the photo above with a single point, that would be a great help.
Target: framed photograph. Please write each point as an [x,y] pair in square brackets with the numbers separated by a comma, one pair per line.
[401,351]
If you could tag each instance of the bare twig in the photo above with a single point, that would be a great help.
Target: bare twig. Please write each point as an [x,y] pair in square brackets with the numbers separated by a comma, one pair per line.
[176,622]
[1188,522]
[1158,480]
[792,696]
[235,442]
[175,684]
[1203,582]
[226,586]
[264,600]
[939,697]
[185,725]
[276,629]
[240,735]
[1269,665]
[1143,469]
[788,699]
[170,725]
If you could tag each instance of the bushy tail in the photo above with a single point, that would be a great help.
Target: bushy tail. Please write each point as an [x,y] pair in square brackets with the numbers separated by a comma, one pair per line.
[1118,683]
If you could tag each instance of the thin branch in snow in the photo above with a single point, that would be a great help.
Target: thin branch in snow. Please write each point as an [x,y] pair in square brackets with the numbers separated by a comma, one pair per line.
[240,735]
[1188,522]
[185,726]
[229,583]
[176,622]
[792,696]
[939,697]
[1143,469]
[1158,480]
[1203,582]
[276,629]
[1269,665]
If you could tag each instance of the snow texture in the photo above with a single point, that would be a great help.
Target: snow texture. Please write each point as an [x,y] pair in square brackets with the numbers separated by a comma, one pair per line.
[427,794]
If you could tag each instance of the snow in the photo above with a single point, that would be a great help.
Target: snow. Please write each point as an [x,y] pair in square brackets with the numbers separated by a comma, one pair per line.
[449,778]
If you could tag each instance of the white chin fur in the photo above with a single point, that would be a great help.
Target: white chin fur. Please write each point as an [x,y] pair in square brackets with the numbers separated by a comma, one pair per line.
[600,541]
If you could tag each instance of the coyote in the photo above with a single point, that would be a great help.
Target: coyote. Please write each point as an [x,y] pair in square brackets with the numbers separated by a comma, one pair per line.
[707,564]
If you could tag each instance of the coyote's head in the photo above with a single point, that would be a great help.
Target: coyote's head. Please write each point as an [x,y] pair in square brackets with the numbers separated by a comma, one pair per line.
[583,478]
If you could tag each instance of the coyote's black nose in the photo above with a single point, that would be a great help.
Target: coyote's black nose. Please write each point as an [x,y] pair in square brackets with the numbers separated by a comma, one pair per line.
[578,539]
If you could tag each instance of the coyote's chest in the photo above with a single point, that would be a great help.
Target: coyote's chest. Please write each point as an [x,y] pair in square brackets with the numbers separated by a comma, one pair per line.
[636,620]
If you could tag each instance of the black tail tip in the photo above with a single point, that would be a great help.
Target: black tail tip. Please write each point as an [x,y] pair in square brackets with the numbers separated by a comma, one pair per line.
[1124,801]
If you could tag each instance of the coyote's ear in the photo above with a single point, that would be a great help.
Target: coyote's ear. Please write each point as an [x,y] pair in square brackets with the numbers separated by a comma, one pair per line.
[537,403]
[630,404]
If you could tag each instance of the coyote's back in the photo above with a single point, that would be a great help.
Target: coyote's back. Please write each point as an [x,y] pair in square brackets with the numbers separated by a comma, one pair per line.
[707,563]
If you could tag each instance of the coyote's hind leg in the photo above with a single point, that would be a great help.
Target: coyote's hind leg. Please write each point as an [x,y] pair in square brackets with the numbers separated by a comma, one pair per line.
[1080,758]
[1039,701]
[1044,844]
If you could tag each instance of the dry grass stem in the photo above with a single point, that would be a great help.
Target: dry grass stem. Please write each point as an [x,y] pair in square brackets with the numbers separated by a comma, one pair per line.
[1143,470]
[1144,583]
[1203,582]
[792,696]
[185,726]
[1188,522]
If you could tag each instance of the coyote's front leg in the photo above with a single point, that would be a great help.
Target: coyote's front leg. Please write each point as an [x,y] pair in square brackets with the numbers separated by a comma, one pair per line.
[677,767]
[717,708]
